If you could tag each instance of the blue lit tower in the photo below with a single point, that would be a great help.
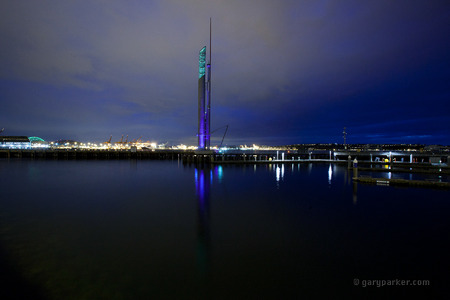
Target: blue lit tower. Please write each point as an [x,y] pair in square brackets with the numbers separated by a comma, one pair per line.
[208,95]
[204,97]
[201,99]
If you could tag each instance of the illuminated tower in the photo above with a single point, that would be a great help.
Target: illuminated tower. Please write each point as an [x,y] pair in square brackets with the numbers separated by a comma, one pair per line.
[204,97]
[201,99]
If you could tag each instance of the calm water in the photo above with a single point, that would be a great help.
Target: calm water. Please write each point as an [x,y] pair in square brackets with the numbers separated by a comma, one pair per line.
[158,229]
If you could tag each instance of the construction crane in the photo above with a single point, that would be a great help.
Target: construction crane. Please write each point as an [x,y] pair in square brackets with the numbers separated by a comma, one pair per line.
[136,141]
[223,134]
[108,141]
[121,140]
[3,129]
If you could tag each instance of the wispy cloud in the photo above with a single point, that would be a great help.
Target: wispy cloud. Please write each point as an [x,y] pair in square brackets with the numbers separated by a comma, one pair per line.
[288,69]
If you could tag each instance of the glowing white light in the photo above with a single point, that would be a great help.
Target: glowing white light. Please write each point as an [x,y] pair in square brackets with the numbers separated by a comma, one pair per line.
[277,173]
[330,174]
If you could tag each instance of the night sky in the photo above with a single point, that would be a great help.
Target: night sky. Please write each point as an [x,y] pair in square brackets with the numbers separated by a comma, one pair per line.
[284,72]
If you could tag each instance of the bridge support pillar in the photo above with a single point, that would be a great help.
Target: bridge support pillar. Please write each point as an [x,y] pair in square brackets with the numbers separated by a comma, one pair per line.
[355,168]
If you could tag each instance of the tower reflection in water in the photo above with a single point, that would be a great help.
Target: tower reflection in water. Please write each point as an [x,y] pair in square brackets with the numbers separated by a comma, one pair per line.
[203,181]
[355,192]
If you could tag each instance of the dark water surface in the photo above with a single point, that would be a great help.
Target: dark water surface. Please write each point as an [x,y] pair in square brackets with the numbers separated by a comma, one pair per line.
[158,229]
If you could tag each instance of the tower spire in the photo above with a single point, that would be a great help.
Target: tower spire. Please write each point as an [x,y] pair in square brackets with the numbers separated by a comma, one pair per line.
[210,49]
[208,96]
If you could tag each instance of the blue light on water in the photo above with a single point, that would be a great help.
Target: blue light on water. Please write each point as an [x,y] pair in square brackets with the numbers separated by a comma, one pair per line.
[220,173]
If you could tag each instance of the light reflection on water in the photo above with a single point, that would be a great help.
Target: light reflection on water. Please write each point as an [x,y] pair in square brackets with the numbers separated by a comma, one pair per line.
[330,174]
[279,173]
[134,229]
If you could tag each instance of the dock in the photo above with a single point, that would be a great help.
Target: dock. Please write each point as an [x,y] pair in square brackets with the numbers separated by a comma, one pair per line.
[402,182]
[103,154]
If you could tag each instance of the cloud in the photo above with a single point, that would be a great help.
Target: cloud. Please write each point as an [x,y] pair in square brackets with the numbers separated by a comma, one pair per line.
[294,63]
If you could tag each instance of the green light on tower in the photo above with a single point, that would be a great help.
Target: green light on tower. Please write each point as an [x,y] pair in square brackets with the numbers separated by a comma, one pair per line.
[201,62]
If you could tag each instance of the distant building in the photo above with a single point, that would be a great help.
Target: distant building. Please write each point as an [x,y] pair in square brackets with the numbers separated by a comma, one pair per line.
[14,142]
[37,142]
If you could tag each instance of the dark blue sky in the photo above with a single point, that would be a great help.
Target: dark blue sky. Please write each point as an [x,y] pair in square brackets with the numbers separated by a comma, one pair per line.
[284,72]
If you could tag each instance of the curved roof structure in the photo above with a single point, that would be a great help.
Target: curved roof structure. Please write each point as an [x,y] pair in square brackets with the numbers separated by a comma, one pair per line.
[35,139]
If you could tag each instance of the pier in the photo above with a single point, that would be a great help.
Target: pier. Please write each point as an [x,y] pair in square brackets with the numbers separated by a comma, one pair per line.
[372,159]
[402,182]
[92,154]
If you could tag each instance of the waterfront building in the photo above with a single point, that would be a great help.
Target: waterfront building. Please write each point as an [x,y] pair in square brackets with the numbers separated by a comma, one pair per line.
[37,142]
[14,142]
